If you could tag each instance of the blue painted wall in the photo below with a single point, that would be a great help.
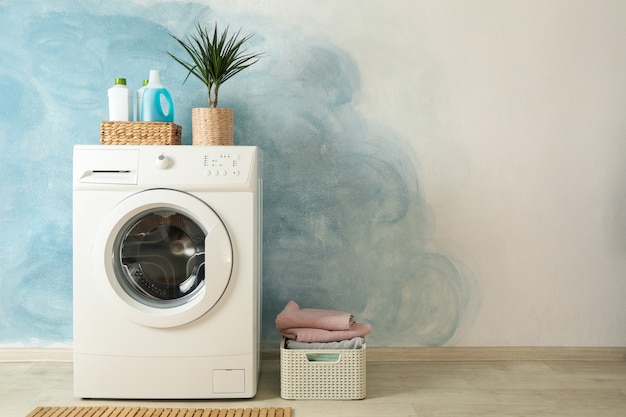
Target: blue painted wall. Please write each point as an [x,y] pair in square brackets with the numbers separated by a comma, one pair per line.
[345,224]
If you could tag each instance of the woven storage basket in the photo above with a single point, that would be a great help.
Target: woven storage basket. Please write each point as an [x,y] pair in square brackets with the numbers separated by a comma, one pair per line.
[212,126]
[328,374]
[140,133]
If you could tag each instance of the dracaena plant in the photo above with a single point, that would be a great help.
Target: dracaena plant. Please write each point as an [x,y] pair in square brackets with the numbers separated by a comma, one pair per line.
[214,58]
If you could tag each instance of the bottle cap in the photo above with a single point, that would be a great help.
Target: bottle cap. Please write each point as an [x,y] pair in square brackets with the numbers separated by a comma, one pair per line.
[155,79]
[121,81]
[144,83]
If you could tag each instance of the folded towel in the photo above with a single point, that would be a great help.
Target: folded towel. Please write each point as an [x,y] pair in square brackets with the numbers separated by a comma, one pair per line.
[354,343]
[293,316]
[322,335]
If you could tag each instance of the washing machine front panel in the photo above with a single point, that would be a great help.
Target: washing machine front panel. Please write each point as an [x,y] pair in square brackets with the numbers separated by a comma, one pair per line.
[131,343]
[166,255]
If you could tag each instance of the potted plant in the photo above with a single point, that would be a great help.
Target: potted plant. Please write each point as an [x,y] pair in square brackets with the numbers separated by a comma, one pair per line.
[214,59]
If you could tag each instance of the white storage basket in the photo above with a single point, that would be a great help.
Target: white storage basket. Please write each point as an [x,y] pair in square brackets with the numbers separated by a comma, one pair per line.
[337,374]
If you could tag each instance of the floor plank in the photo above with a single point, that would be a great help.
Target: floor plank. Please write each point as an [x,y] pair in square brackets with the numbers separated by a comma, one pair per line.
[394,389]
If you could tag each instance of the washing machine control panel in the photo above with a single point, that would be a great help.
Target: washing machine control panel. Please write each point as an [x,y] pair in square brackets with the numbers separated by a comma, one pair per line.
[222,164]
[198,165]
[184,167]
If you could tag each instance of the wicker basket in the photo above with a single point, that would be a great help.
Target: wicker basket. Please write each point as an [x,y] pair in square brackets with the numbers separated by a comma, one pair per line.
[212,126]
[328,374]
[140,133]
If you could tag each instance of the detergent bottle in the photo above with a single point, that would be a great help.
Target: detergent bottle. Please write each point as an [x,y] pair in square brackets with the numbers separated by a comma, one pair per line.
[139,98]
[120,101]
[156,103]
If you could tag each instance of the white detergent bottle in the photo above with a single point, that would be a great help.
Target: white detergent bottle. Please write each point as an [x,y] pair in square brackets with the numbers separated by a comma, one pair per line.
[139,98]
[156,103]
[120,101]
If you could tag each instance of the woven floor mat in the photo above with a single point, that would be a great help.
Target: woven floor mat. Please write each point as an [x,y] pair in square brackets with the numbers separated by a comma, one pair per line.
[105,411]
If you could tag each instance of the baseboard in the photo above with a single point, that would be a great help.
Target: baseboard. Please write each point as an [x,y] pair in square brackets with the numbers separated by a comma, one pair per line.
[392,354]
[27,354]
[482,354]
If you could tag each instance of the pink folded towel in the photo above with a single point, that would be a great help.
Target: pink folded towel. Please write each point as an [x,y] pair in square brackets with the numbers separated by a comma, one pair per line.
[321,336]
[293,316]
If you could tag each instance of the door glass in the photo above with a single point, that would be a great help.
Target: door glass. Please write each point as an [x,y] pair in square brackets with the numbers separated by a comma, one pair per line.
[159,258]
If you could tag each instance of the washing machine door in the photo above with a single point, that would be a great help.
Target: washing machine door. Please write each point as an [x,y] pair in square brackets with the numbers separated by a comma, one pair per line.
[162,257]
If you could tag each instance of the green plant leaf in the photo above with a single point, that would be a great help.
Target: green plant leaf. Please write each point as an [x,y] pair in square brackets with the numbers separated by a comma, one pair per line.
[214,59]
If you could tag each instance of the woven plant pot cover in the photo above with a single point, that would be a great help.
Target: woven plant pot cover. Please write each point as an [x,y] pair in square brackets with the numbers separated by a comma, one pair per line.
[212,126]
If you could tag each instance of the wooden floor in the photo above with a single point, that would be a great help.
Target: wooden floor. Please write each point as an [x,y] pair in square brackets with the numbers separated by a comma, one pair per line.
[425,389]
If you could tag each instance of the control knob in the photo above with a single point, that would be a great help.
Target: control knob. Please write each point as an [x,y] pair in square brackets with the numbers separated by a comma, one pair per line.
[162,162]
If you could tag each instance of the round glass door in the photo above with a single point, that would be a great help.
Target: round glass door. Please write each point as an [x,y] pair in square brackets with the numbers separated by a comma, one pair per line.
[163,257]
[159,258]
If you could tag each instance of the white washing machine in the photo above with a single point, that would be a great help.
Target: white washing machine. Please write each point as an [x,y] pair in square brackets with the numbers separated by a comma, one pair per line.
[167,271]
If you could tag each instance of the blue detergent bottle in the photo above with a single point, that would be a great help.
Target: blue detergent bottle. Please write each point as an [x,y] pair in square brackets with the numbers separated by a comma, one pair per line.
[156,103]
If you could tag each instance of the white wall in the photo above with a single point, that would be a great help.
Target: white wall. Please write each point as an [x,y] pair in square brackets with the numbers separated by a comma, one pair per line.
[516,111]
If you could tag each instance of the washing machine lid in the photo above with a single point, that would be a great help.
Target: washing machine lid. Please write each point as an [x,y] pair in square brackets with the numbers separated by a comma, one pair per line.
[163,257]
